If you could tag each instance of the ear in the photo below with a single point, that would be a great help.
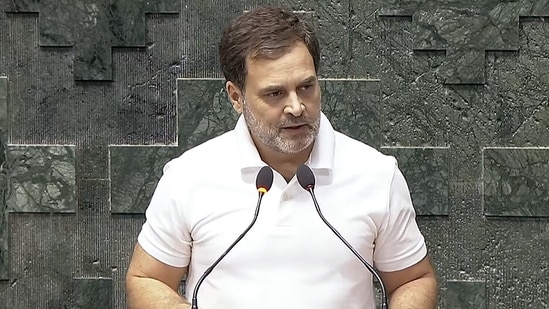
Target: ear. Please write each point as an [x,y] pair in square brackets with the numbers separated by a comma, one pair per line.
[235,96]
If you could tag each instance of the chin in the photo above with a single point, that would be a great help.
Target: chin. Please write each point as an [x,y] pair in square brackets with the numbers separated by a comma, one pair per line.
[295,149]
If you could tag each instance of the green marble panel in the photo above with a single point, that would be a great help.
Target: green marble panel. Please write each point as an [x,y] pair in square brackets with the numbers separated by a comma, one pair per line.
[465,295]
[334,23]
[353,107]
[41,178]
[465,29]
[3,178]
[482,25]
[482,117]
[463,67]
[94,28]
[516,97]
[204,111]
[92,293]
[427,173]
[534,8]
[515,182]
[415,104]
[134,172]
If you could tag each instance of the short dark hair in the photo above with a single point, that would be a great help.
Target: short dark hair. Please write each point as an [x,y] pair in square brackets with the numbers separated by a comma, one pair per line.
[264,32]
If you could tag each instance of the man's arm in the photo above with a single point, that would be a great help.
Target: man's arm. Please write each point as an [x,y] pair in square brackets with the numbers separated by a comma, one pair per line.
[152,284]
[415,287]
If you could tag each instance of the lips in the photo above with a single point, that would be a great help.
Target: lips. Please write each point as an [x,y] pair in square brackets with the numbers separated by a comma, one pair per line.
[295,130]
[294,126]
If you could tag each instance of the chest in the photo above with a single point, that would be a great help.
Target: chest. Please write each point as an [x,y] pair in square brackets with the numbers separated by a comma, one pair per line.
[288,231]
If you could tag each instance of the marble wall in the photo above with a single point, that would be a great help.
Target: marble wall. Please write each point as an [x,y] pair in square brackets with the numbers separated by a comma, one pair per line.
[95,96]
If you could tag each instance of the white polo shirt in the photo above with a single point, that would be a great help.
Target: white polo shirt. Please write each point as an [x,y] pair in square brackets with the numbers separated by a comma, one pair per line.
[290,258]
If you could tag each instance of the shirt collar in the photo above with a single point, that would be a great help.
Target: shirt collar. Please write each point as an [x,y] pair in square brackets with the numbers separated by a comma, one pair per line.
[322,155]
[321,160]
[248,156]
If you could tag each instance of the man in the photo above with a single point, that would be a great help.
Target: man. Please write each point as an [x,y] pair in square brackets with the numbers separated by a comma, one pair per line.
[289,259]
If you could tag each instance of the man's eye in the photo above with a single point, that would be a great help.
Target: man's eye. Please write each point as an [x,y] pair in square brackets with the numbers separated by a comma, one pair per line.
[275,94]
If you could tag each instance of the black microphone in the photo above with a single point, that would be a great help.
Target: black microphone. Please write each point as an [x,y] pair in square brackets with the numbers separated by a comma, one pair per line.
[263,183]
[306,179]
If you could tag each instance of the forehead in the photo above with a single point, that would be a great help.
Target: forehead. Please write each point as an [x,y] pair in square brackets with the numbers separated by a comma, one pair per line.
[295,65]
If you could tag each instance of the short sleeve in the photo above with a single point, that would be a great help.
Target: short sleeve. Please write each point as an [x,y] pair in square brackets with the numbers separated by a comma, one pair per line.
[164,234]
[399,243]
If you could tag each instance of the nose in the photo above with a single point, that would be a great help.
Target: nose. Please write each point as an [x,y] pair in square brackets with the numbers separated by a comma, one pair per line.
[294,105]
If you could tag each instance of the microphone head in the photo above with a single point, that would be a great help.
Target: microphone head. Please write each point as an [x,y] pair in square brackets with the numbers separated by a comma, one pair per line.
[264,179]
[305,177]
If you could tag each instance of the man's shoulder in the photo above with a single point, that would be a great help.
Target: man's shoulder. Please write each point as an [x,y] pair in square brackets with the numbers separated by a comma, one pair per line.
[357,152]
[215,151]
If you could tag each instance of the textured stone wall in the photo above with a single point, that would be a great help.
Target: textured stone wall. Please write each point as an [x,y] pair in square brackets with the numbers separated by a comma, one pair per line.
[95,96]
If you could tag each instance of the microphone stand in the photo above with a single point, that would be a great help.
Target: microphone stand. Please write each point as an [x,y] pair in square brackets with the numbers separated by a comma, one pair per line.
[384,303]
[211,268]
[264,181]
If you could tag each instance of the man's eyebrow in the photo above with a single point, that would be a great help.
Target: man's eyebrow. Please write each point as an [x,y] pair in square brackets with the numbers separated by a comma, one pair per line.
[309,80]
[271,88]
[274,87]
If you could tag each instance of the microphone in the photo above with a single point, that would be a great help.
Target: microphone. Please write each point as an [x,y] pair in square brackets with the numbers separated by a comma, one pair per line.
[306,179]
[263,183]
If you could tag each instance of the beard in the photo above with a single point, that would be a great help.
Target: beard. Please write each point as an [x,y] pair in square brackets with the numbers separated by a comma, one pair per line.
[271,134]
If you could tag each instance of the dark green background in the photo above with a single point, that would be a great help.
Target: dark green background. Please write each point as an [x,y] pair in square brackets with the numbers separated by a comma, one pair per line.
[95,96]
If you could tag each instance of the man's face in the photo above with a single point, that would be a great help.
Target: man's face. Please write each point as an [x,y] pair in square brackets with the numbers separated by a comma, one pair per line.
[281,103]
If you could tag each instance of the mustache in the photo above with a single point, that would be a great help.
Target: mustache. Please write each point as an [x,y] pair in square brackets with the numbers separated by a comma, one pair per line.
[296,121]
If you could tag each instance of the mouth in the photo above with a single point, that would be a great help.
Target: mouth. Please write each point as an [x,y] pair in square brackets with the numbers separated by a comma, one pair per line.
[295,126]
[295,129]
